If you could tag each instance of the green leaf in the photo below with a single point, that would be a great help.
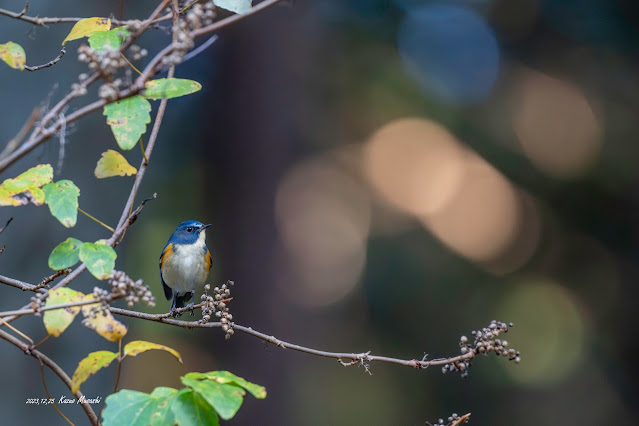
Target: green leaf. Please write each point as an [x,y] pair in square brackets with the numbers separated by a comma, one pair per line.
[225,377]
[103,40]
[26,187]
[139,346]
[90,365]
[170,88]
[128,119]
[87,26]
[237,6]
[62,199]
[112,163]
[190,409]
[65,254]
[99,259]
[57,320]
[225,398]
[104,324]
[140,409]
[13,54]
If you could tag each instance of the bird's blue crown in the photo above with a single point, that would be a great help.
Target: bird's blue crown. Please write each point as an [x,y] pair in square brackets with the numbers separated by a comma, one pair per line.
[187,232]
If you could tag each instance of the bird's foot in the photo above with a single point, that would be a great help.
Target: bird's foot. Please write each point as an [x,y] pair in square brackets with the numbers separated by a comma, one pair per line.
[190,308]
[174,313]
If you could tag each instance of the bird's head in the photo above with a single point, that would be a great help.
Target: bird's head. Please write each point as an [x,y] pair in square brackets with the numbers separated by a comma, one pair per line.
[189,232]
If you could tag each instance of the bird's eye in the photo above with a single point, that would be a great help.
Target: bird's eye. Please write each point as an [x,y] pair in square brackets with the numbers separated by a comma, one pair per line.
[189,229]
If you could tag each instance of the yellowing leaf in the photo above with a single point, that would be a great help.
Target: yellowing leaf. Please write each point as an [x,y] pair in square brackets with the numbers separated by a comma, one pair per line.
[13,54]
[128,119]
[105,325]
[57,320]
[170,88]
[139,346]
[99,259]
[90,365]
[113,163]
[88,26]
[62,199]
[26,187]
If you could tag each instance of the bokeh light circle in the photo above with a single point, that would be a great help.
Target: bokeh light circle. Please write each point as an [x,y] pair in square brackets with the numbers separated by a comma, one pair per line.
[550,331]
[451,51]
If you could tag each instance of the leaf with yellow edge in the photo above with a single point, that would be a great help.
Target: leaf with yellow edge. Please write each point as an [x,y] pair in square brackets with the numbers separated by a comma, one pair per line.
[113,163]
[26,187]
[88,26]
[90,365]
[105,325]
[167,88]
[57,320]
[13,54]
[139,346]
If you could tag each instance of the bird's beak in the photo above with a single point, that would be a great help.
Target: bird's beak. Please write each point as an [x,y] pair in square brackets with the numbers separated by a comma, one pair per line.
[206,226]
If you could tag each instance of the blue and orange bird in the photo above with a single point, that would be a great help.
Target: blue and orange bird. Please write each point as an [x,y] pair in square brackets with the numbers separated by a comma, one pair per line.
[184,264]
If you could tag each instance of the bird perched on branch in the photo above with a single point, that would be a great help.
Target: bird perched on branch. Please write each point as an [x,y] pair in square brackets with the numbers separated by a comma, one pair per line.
[184,264]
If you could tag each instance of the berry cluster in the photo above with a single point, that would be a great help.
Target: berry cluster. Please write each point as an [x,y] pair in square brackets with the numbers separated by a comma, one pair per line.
[217,305]
[37,303]
[123,286]
[453,420]
[485,341]
[200,15]
[106,62]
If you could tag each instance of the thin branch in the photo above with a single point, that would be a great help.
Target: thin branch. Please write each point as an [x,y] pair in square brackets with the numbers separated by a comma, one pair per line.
[17,140]
[17,284]
[56,369]
[361,357]
[42,22]
[45,282]
[117,375]
[201,48]
[48,64]
[5,225]
[44,383]
[29,311]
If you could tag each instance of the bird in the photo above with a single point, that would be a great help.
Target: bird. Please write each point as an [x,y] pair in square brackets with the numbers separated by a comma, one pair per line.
[185,263]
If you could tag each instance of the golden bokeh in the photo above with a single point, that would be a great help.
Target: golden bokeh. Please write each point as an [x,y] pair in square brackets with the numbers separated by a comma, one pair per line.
[323,218]
[415,164]
[556,125]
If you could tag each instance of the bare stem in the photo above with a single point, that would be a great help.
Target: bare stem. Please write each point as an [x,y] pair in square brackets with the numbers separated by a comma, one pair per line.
[48,64]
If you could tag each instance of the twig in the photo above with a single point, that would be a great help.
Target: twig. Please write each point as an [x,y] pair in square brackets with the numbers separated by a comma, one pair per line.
[56,369]
[44,383]
[201,48]
[26,127]
[358,358]
[42,22]
[48,64]
[5,225]
[17,284]
[45,282]
[29,311]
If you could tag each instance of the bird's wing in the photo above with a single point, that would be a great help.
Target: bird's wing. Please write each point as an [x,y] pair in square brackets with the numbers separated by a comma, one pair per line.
[166,253]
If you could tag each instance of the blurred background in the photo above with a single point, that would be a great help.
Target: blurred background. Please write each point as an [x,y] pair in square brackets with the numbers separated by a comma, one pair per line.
[380,175]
